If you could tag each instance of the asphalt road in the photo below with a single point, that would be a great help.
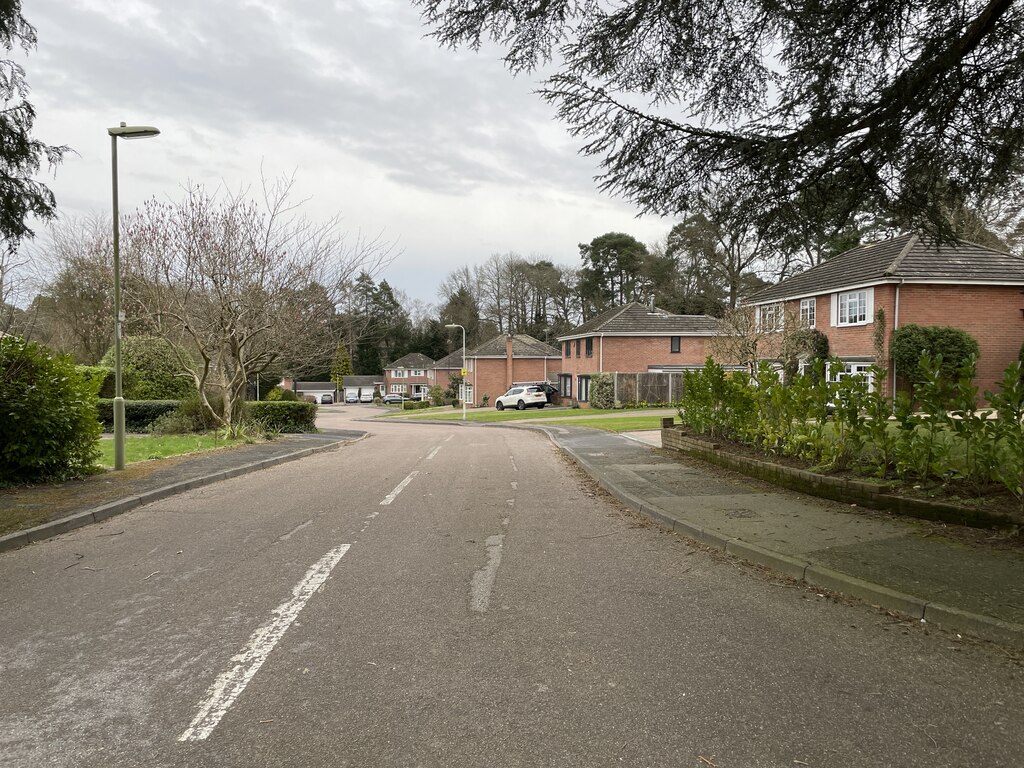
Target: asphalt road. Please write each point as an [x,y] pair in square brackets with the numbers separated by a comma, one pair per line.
[449,595]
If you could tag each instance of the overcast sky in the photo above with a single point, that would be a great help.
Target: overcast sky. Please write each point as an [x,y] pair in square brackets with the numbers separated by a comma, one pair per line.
[444,151]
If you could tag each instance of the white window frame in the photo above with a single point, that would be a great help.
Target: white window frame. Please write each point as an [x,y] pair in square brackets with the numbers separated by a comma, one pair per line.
[398,389]
[583,389]
[398,373]
[856,369]
[865,308]
[808,312]
[415,373]
[770,317]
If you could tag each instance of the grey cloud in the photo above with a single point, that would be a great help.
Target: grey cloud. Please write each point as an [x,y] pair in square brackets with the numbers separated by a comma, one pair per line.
[426,115]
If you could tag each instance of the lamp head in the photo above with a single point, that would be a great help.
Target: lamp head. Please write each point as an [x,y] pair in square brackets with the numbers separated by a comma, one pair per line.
[133,131]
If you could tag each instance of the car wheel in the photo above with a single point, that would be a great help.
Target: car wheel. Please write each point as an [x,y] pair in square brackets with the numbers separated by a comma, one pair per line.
[520,406]
[540,405]
[499,405]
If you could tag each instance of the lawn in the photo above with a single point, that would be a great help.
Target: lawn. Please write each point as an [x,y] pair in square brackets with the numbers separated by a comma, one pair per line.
[613,420]
[624,424]
[145,447]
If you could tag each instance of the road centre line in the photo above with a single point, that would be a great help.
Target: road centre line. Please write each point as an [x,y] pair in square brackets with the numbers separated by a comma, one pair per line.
[433,453]
[399,488]
[247,662]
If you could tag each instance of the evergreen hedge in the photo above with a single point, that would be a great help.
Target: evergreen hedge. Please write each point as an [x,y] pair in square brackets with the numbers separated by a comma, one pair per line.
[283,415]
[48,413]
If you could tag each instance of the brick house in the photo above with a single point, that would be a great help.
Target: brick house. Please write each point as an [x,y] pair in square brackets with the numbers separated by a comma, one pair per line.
[493,366]
[633,338]
[907,280]
[448,366]
[409,375]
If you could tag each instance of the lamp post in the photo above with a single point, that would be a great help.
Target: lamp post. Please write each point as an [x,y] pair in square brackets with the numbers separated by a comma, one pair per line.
[464,369]
[124,132]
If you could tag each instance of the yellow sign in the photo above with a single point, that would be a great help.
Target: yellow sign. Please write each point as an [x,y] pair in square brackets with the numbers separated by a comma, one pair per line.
[463,373]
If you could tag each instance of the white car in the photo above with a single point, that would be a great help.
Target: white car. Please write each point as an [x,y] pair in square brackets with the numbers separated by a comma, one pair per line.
[366,397]
[522,398]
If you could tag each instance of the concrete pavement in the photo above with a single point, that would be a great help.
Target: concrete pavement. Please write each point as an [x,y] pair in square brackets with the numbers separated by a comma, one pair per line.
[895,563]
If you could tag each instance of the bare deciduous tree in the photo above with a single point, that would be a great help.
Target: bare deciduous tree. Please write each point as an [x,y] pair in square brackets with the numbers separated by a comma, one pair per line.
[235,284]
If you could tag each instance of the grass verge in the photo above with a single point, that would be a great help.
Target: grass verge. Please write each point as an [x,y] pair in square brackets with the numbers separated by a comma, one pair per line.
[146,447]
[645,418]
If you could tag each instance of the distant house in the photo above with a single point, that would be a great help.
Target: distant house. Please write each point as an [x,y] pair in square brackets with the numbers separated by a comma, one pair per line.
[354,387]
[409,375]
[492,367]
[901,281]
[448,366]
[633,338]
[316,390]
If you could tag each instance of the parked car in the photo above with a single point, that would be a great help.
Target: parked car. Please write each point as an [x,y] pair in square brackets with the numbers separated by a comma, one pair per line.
[327,400]
[521,398]
[393,399]
[549,391]
[351,397]
[366,397]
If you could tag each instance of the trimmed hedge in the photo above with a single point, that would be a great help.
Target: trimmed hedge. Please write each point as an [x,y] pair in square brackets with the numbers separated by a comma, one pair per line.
[139,415]
[283,415]
[49,428]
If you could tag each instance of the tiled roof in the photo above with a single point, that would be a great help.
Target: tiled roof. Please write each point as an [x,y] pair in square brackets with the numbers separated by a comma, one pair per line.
[636,319]
[412,360]
[522,346]
[452,361]
[909,257]
[362,381]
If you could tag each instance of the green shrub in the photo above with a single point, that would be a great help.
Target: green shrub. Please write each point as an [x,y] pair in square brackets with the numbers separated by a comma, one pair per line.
[277,394]
[49,415]
[437,395]
[100,377]
[139,415]
[911,342]
[283,416]
[602,391]
[150,370]
[415,405]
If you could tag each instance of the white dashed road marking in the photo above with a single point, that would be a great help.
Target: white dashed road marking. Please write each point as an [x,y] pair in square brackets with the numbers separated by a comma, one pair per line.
[247,662]
[399,488]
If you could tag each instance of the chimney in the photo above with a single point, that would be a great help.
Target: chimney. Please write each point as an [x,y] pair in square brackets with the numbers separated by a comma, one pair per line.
[508,362]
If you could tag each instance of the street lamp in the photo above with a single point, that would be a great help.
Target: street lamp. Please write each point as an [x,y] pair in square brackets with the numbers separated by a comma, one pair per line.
[464,369]
[125,132]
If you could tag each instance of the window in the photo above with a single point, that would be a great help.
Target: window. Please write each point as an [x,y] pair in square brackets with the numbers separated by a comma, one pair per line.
[855,369]
[853,307]
[398,373]
[568,349]
[415,373]
[590,347]
[770,317]
[675,344]
[583,389]
[565,384]
[577,347]
[398,389]
[807,311]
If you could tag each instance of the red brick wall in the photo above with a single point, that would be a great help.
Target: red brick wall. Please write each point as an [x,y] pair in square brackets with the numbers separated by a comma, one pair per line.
[633,354]
[490,375]
[991,314]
